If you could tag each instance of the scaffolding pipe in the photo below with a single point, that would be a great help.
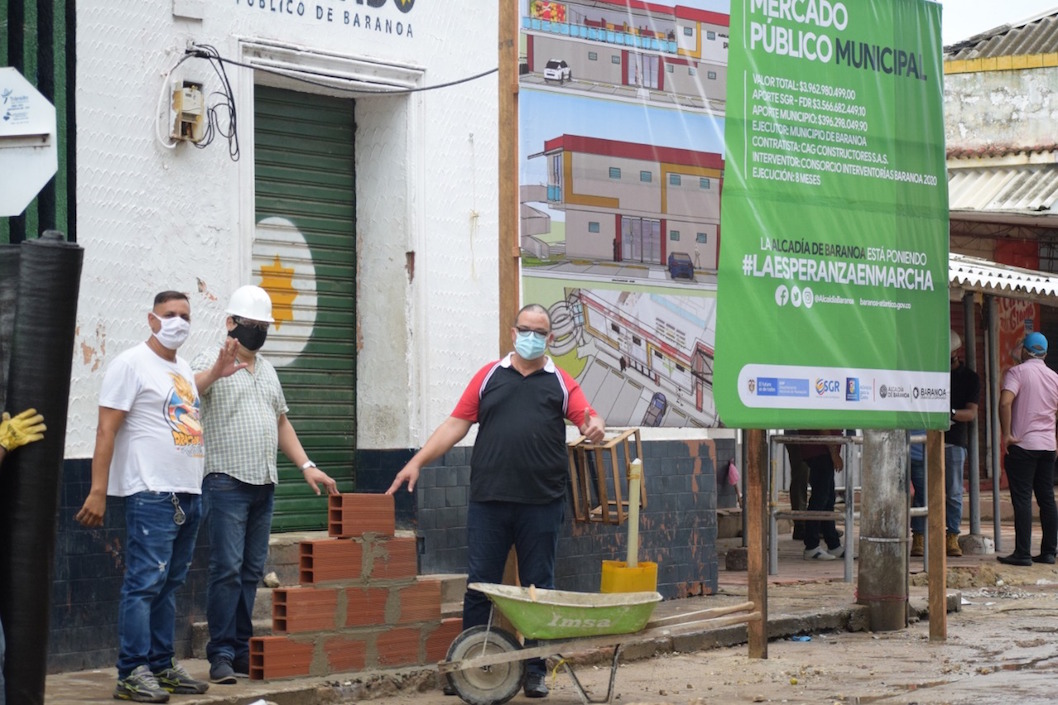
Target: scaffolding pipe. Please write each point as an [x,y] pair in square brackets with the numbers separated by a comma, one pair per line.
[993,413]
[970,352]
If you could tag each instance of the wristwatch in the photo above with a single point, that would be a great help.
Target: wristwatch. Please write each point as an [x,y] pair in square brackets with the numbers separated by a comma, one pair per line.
[308,464]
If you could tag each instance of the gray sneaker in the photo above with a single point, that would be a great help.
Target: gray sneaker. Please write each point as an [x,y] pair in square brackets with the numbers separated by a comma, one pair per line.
[221,671]
[140,686]
[176,680]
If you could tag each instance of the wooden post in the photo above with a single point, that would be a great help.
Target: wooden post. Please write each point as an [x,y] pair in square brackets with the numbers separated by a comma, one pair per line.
[938,557]
[757,540]
[509,249]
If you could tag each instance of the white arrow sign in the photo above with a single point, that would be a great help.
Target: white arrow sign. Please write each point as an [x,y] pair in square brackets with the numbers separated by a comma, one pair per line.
[28,154]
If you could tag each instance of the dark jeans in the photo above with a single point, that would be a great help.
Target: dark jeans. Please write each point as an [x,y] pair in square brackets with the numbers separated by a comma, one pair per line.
[1028,472]
[821,476]
[239,522]
[157,557]
[492,528]
[799,473]
[954,464]
[918,482]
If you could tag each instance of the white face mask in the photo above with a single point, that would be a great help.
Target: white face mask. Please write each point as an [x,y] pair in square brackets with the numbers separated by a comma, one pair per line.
[173,333]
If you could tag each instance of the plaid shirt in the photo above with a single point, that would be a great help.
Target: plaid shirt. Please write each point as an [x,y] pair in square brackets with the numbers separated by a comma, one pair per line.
[240,421]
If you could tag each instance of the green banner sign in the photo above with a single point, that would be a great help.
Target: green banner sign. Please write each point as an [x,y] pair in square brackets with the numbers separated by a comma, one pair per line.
[832,306]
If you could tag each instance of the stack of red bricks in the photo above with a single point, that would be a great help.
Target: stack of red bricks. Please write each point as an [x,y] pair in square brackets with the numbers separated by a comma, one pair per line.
[360,603]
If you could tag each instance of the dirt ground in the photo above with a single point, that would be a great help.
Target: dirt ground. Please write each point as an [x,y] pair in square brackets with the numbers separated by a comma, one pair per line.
[1002,647]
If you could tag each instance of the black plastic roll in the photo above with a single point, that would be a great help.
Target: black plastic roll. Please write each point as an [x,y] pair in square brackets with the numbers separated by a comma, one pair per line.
[41,359]
[8,295]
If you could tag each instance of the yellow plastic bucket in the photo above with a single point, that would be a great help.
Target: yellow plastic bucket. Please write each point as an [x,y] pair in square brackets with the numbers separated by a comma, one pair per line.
[618,577]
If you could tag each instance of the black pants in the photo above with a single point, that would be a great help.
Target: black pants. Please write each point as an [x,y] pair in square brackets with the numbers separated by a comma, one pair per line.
[1032,472]
[821,476]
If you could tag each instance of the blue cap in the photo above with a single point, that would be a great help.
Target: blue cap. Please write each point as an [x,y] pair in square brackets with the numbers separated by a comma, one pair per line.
[1035,344]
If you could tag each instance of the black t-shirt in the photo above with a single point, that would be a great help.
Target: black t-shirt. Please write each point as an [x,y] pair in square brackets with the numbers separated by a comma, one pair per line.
[965,389]
[520,451]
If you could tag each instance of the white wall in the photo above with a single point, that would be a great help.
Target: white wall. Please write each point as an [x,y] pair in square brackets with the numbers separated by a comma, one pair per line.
[995,109]
[152,218]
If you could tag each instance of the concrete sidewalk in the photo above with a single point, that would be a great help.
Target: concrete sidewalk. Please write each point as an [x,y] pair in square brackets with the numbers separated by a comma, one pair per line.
[804,597]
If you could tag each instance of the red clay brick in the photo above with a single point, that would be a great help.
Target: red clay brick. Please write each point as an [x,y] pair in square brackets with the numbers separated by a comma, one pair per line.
[278,657]
[394,559]
[345,653]
[303,609]
[398,647]
[366,607]
[330,559]
[438,641]
[420,602]
[355,514]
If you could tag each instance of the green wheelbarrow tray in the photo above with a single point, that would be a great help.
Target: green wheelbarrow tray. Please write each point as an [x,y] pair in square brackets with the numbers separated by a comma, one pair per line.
[558,614]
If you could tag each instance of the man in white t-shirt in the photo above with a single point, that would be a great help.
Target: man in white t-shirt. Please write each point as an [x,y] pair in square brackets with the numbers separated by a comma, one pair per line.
[149,451]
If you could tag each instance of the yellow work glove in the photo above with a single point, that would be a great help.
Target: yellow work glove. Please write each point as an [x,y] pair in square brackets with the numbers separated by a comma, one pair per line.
[17,431]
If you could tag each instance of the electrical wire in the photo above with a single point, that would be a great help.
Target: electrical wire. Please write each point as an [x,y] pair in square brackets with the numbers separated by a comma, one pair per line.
[224,99]
[194,51]
[168,144]
[225,102]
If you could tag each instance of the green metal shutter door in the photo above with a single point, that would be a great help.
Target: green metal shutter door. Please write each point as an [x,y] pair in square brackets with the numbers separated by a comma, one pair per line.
[304,254]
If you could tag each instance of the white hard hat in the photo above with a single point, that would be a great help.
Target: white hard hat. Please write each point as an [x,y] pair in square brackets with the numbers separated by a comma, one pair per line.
[955,341]
[251,302]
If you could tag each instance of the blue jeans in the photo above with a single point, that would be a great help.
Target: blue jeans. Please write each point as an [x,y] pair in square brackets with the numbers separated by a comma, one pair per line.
[954,462]
[1032,472]
[239,524]
[492,528]
[158,555]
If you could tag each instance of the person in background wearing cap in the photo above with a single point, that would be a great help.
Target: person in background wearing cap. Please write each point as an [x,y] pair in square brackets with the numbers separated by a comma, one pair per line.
[244,421]
[149,451]
[15,432]
[518,472]
[1028,402]
[965,390]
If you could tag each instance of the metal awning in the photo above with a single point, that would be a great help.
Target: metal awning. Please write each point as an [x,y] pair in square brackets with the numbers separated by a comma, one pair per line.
[968,273]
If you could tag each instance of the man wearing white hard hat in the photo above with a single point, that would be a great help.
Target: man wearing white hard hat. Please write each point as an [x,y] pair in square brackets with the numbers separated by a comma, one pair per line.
[244,421]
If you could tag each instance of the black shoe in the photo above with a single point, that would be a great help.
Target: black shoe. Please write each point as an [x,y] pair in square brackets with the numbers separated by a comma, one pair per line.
[1047,558]
[448,688]
[1014,560]
[535,686]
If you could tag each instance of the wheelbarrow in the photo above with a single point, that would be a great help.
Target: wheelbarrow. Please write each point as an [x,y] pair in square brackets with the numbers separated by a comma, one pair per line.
[486,665]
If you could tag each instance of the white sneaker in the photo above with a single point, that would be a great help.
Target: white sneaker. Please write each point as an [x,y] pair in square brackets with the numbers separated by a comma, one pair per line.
[838,552]
[817,554]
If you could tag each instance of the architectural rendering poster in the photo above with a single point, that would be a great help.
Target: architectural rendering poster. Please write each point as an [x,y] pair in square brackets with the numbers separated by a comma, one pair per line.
[622,159]
[833,276]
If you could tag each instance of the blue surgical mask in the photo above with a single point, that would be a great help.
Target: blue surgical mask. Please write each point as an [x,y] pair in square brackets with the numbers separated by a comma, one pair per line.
[530,345]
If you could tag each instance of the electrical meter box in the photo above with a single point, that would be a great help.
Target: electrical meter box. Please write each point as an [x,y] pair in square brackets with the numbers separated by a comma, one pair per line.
[189,112]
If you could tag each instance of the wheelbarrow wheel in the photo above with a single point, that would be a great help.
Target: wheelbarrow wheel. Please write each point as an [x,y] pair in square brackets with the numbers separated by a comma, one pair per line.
[488,685]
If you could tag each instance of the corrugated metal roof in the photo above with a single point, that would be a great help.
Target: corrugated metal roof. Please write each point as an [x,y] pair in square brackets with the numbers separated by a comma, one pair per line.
[1036,35]
[1027,189]
[976,274]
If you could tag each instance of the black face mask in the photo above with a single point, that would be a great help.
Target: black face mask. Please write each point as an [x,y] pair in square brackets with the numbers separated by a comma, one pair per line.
[250,338]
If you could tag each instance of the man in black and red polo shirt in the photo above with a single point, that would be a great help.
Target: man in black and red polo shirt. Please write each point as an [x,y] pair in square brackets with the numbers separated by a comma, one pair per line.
[518,470]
